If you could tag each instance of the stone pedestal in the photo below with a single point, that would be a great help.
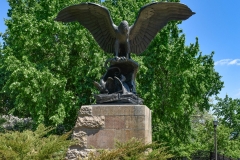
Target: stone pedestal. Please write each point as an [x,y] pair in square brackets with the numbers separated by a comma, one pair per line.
[99,126]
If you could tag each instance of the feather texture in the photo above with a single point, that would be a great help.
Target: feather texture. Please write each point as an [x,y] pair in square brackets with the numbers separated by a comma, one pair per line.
[96,19]
[151,19]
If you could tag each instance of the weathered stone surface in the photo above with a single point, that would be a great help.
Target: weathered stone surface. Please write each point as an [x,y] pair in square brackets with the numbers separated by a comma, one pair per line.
[140,110]
[81,138]
[84,153]
[114,122]
[85,111]
[73,152]
[76,153]
[103,110]
[90,122]
[103,139]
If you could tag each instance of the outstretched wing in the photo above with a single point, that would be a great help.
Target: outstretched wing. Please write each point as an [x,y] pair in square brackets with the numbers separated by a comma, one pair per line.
[151,19]
[96,19]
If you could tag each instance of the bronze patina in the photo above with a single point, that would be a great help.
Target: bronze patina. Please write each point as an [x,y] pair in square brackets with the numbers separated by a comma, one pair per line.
[117,85]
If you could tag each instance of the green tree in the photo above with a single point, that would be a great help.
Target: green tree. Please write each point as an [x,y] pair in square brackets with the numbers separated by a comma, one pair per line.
[50,68]
[228,112]
[202,139]
[173,80]
[5,101]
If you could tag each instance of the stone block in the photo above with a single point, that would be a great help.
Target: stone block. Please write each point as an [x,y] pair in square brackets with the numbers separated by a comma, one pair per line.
[81,138]
[90,122]
[131,122]
[140,110]
[85,111]
[96,111]
[114,122]
[141,123]
[103,139]
[119,135]
[100,126]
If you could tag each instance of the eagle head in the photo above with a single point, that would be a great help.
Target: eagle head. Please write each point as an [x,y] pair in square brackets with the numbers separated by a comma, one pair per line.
[123,27]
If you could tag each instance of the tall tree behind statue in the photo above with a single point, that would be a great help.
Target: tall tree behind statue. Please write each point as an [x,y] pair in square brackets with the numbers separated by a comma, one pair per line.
[48,68]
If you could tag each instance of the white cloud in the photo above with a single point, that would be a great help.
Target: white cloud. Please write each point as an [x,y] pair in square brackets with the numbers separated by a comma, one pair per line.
[235,61]
[228,62]
[222,62]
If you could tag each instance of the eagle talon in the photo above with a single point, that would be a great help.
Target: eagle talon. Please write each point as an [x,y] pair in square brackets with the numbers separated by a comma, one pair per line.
[116,58]
[123,58]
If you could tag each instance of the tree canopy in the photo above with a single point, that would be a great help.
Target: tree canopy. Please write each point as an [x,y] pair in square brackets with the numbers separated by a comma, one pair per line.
[202,138]
[227,110]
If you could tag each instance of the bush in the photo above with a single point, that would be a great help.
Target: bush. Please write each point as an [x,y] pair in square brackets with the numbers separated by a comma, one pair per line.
[132,150]
[13,123]
[2,121]
[33,145]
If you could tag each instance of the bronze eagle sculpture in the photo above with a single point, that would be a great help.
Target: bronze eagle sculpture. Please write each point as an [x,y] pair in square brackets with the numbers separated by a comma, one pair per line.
[124,39]
[117,85]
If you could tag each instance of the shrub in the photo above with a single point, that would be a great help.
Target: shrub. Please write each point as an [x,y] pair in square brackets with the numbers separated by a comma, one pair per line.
[35,145]
[132,150]
[13,123]
[2,121]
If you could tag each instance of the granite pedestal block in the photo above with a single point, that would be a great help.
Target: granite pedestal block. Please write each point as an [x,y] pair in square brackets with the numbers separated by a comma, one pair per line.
[100,126]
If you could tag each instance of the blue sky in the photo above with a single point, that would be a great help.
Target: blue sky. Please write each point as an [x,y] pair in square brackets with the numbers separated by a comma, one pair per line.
[217,26]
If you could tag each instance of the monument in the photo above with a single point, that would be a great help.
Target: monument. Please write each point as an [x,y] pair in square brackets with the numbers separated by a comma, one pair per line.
[119,113]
